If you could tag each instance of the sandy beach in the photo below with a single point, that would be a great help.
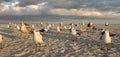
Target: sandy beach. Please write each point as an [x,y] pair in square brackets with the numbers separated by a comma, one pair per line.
[59,44]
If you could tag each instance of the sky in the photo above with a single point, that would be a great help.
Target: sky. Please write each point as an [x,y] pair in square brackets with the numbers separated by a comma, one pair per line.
[98,8]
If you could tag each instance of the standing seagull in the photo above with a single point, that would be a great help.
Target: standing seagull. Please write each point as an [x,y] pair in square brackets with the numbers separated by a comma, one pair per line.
[38,39]
[1,42]
[82,28]
[25,28]
[8,26]
[106,24]
[90,24]
[65,27]
[18,27]
[58,29]
[33,26]
[74,33]
[106,39]
[45,29]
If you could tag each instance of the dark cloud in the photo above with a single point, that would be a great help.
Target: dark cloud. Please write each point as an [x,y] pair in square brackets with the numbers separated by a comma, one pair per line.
[96,6]
[69,4]
[101,5]
[5,1]
[64,4]
[23,3]
[105,5]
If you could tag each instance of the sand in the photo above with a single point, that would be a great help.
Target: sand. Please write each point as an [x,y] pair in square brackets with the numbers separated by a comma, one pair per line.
[59,44]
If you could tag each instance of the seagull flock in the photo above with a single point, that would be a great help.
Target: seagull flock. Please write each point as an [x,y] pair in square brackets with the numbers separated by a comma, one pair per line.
[38,38]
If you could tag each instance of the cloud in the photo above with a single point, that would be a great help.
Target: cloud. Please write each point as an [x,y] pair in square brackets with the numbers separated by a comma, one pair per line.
[3,7]
[83,12]
[16,10]
[61,7]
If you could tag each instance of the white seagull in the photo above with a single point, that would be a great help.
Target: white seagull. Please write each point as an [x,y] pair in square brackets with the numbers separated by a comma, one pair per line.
[90,24]
[38,39]
[106,24]
[8,26]
[18,27]
[105,38]
[58,29]
[74,33]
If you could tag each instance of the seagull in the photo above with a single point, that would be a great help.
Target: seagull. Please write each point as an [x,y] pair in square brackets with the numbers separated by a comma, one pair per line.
[58,29]
[83,23]
[25,28]
[18,27]
[38,39]
[1,42]
[94,27]
[61,24]
[75,24]
[15,24]
[82,28]
[74,33]
[90,24]
[71,24]
[106,24]
[33,26]
[65,27]
[105,37]
[45,29]
[8,26]
[49,26]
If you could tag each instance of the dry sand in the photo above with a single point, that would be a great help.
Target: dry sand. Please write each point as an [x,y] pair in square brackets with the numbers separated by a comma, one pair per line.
[58,44]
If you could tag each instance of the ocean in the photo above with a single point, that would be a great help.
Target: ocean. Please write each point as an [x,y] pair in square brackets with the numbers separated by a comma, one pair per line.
[66,19]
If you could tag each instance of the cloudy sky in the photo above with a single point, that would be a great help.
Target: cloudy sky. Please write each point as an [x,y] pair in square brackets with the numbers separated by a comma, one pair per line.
[109,8]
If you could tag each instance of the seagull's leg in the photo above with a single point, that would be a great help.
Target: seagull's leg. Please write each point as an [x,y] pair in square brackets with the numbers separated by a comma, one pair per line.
[108,48]
[102,46]
[1,46]
[39,47]
[36,47]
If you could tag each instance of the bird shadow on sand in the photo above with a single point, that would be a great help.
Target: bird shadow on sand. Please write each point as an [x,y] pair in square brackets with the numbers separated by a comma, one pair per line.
[57,35]
[6,30]
[116,46]
[92,45]
[8,36]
